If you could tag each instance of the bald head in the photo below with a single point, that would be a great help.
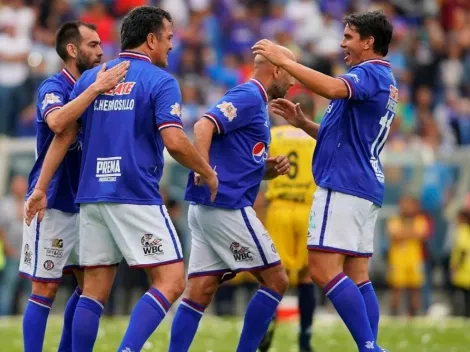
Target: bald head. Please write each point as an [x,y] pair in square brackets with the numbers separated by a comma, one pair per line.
[260,60]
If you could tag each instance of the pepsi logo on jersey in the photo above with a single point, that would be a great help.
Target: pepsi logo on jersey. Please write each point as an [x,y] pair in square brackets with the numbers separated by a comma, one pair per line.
[259,152]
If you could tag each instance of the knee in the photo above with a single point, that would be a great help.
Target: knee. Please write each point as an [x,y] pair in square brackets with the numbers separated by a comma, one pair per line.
[322,274]
[278,282]
[45,289]
[202,290]
[357,274]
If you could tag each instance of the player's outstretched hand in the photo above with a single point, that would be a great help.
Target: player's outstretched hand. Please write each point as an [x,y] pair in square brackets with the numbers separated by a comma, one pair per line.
[271,51]
[36,204]
[280,164]
[291,112]
[108,79]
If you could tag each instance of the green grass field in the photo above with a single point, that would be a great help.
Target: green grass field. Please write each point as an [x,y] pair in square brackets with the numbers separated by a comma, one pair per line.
[221,335]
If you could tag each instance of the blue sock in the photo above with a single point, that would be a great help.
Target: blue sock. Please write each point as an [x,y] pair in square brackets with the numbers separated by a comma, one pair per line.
[86,321]
[348,302]
[185,324]
[146,316]
[372,306]
[307,304]
[34,322]
[258,315]
[65,344]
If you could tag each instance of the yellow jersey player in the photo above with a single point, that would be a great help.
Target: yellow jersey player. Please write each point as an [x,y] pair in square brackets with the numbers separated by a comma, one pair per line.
[287,215]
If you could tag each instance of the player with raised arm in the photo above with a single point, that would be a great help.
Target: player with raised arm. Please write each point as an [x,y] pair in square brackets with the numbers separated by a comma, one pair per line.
[49,246]
[346,166]
[227,237]
[121,210]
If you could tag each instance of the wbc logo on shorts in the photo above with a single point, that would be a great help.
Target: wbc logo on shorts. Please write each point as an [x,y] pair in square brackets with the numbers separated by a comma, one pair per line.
[259,152]
[151,245]
[240,253]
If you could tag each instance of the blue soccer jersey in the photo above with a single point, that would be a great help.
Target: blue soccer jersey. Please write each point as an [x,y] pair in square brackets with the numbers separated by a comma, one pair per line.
[239,149]
[52,94]
[122,146]
[354,130]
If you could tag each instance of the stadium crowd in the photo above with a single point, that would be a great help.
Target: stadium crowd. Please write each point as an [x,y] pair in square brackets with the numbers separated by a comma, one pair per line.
[429,54]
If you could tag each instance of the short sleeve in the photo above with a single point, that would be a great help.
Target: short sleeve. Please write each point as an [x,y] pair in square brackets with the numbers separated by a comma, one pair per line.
[51,96]
[168,105]
[360,82]
[236,109]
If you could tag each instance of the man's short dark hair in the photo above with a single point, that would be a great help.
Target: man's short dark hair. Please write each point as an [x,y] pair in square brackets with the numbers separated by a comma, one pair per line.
[306,103]
[69,33]
[372,24]
[139,23]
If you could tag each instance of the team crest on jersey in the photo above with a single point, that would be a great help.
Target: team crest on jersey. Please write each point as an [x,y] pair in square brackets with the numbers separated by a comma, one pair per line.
[240,253]
[228,109]
[122,88]
[176,110]
[49,99]
[259,152]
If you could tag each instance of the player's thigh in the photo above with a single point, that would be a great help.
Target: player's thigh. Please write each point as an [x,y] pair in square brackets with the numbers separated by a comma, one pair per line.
[96,244]
[144,234]
[238,237]
[280,223]
[337,222]
[47,245]
[301,222]
[204,261]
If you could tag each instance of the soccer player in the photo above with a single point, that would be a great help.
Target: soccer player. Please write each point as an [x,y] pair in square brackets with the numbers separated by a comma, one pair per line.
[49,246]
[346,166]
[290,199]
[121,210]
[227,237]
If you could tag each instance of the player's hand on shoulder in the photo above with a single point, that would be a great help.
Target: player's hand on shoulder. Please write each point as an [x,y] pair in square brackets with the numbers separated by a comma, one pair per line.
[108,79]
[280,164]
[291,112]
[35,204]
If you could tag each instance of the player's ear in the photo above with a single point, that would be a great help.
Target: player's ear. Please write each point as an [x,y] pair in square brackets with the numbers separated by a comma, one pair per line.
[72,50]
[151,40]
[369,44]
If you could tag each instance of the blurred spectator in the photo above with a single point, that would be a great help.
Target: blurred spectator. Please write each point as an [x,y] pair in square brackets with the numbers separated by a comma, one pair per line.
[11,227]
[407,233]
[460,262]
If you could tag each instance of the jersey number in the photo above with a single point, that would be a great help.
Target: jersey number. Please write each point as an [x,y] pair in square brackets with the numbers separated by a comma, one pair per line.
[294,166]
[385,122]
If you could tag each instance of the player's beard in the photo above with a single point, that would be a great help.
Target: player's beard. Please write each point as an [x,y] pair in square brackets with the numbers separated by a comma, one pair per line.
[277,91]
[83,62]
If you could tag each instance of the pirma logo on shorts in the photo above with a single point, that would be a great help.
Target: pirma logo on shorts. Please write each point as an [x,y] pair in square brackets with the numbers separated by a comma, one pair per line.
[151,245]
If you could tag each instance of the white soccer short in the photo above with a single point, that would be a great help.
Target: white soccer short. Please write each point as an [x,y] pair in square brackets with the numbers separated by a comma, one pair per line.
[342,223]
[50,247]
[226,241]
[143,234]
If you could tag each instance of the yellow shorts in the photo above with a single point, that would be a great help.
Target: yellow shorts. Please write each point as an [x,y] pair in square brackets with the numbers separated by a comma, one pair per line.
[287,223]
[407,274]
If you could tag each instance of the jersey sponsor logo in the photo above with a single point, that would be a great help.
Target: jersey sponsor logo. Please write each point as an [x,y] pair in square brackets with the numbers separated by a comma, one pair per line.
[123,88]
[240,253]
[329,108]
[50,99]
[228,109]
[354,77]
[392,103]
[28,255]
[56,250]
[151,245]
[108,169]
[259,152]
[176,110]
